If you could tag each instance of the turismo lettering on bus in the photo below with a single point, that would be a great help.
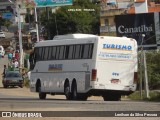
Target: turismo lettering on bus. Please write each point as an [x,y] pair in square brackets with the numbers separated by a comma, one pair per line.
[117,47]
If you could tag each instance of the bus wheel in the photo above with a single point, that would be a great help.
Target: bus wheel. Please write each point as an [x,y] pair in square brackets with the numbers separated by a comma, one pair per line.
[41,94]
[67,91]
[74,91]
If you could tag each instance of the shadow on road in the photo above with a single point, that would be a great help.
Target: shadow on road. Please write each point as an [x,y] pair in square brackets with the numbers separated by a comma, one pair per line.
[8,87]
[31,99]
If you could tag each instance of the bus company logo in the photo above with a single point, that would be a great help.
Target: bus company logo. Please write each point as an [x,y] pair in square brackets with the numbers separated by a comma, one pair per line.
[117,47]
[55,67]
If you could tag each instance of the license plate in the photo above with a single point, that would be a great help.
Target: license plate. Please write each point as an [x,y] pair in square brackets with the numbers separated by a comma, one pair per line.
[115,81]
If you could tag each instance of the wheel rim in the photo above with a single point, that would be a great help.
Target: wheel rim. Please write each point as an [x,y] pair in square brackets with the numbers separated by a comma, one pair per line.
[67,92]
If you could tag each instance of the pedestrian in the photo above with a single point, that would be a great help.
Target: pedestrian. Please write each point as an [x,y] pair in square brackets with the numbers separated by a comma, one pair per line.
[15,63]
[29,74]
[10,56]
[4,71]
[17,55]
[13,55]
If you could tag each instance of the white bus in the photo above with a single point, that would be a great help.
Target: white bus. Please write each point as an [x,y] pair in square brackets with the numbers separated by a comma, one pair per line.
[83,65]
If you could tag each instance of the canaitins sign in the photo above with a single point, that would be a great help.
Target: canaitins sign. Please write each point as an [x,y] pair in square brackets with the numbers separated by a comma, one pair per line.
[134,25]
[142,28]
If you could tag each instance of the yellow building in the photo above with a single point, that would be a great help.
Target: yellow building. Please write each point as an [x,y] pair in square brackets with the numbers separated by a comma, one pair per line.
[110,8]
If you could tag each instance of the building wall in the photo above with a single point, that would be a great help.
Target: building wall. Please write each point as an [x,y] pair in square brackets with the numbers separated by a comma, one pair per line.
[121,7]
[5,4]
[110,8]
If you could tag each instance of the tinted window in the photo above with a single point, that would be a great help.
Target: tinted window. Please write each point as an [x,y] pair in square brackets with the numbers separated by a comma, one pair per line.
[77,51]
[46,50]
[10,74]
[70,52]
[53,53]
[57,52]
[85,52]
[61,53]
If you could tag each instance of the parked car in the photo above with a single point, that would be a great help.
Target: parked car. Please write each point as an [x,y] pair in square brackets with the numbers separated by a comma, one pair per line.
[2,35]
[12,78]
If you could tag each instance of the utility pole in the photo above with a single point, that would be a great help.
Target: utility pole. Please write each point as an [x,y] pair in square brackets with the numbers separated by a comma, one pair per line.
[55,18]
[143,61]
[36,19]
[47,16]
[146,76]
[20,33]
[141,64]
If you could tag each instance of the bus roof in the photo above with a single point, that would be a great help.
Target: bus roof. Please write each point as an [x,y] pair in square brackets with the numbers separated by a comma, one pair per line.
[73,36]
[83,38]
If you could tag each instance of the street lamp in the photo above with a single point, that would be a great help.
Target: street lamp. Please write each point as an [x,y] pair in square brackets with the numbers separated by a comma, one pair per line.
[143,59]
[141,62]
[19,31]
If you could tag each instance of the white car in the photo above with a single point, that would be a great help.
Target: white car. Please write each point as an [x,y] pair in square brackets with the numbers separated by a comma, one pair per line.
[2,35]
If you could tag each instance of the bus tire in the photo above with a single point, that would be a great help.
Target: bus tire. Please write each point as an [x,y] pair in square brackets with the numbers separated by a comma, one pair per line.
[74,91]
[42,95]
[67,92]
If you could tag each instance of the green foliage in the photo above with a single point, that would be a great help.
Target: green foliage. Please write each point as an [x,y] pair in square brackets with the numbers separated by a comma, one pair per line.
[154,96]
[2,21]
[153,65]
[7,23]
[153,69]
[73,19]
[29,18]
[136,95]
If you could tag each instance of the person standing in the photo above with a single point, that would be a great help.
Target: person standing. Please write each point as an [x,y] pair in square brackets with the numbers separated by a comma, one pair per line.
[4,71]
[17,55]
[16,64]
[13,55]
[10,56]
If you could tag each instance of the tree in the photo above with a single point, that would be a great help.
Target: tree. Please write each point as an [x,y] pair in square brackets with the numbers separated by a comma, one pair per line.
[2,21]
[74,19]
[29,18]
[153,65]
[5,22]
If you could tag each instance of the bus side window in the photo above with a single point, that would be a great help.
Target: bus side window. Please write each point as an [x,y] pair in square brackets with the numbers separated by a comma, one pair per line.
[70,54]
[53,53]
[61,52]
[50,53]
[90,51]
[66,52]
[77,52]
